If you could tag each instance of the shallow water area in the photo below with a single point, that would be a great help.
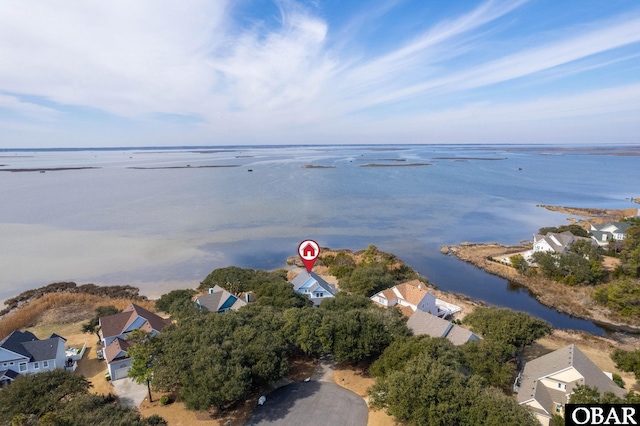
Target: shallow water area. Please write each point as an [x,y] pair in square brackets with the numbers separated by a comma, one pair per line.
[163,218]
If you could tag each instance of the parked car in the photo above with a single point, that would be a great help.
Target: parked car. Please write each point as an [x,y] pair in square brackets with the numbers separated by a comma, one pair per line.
[107,376]
[100,354]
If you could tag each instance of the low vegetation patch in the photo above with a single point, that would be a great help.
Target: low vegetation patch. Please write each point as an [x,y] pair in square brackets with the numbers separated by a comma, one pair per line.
[368,271]
[114,292]
[27,315]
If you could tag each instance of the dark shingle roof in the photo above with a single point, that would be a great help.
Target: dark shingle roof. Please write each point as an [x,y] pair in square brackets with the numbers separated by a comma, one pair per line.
[14,341]
[42,350]
[27,344]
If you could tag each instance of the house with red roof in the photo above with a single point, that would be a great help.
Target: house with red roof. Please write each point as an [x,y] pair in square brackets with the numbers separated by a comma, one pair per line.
[114,330]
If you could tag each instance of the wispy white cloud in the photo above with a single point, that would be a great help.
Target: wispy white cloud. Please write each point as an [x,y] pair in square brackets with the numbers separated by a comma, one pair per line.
[295,72]
[29,109]
[526,62]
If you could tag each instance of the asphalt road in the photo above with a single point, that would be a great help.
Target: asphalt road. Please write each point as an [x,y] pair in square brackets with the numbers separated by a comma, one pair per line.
[311,404]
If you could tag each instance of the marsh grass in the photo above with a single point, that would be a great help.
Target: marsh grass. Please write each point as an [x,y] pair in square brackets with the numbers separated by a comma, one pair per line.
[61,308]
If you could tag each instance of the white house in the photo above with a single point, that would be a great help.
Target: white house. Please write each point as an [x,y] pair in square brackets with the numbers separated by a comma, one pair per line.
[22,352]
[602,234]
[314,287]
[113,332]
[547,382]
[219,300]
[412,296]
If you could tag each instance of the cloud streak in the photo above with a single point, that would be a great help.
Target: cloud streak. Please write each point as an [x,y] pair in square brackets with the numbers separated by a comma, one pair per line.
[292,70]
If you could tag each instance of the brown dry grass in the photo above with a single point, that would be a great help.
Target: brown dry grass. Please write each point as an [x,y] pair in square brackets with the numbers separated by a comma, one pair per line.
[176,414]
[60,308]
[89,366]
[357,381]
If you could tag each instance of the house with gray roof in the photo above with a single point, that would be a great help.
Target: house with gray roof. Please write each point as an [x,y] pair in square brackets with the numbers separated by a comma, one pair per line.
[555,242]
[22,352]
[612,231]
[314,287]
[547,382]
[421,323]
[219,300]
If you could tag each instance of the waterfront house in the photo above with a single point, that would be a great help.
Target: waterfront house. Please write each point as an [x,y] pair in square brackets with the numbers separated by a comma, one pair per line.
[612,231]
[422,323]
[412,296]
[314,287]
[556,242]
[113,332]
[219,300]
[547,382]
[22,352]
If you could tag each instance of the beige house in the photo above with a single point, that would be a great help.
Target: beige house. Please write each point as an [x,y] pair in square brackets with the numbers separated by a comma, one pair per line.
[412,296]
[547,382]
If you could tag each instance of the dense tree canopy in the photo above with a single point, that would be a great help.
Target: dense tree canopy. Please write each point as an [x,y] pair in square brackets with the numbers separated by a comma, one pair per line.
[367,280]
[576,230]
[506,326]
[571,268]
[403,350]
[488,359]
[627,361]
[622,296]
[360,334]
[428,392]
[176,302]
[236,279]
[374,270]
[61,397]
[215,359]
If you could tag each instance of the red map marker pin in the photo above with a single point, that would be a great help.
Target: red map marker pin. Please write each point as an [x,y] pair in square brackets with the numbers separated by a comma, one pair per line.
[308,251]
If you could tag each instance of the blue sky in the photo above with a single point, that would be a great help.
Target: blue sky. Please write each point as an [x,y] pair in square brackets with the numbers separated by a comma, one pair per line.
[161,72]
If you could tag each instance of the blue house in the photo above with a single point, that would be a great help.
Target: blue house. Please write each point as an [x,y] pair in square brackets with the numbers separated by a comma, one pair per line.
[219,300]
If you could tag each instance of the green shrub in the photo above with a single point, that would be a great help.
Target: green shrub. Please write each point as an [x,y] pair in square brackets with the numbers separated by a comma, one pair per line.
[618,380]
[164,400]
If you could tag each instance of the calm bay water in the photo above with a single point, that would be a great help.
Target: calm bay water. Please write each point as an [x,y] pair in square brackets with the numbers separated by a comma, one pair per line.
[162,219]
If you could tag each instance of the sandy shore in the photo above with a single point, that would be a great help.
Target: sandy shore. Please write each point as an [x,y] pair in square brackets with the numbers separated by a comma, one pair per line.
[592,215]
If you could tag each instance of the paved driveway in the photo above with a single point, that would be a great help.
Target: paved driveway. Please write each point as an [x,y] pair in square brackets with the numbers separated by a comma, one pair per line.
[130,393]
[311,404]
